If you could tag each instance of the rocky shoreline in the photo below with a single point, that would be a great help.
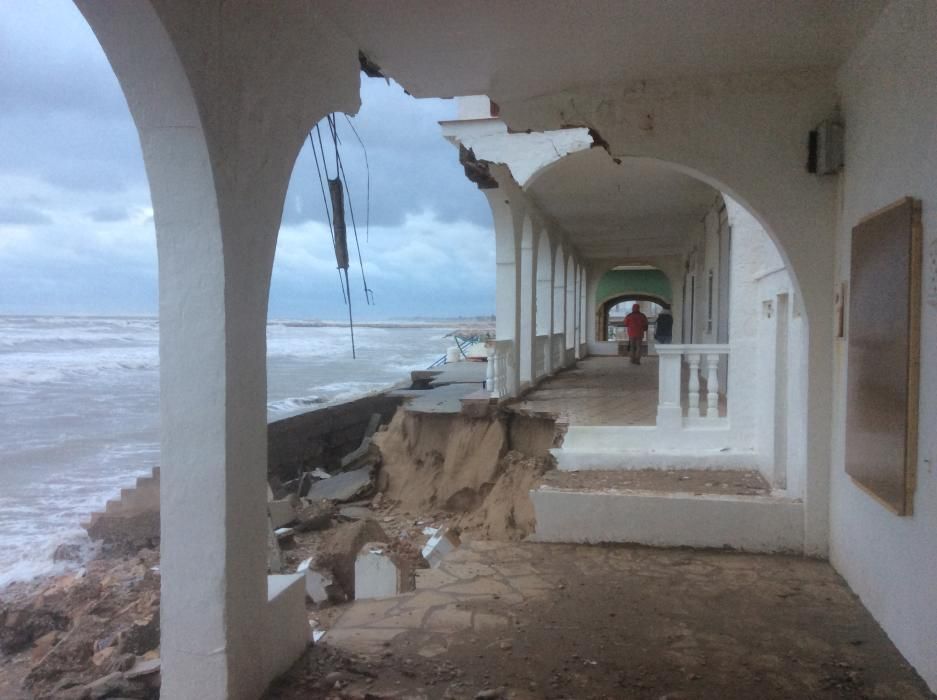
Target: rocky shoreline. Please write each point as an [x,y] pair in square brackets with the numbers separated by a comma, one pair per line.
[94,632]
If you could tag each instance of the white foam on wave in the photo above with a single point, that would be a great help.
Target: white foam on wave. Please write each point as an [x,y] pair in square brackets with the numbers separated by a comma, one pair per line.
[296,403]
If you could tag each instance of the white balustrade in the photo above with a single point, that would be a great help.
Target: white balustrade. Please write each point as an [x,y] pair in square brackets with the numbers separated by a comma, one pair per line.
[501,377]
[703,365]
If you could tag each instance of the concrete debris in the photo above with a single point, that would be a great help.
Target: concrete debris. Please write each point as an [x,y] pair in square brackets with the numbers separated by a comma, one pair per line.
[439,545]
[381,573]
[283,511]
[343,487]
[339,550]
[318,584]
[364,450]
[356,512]
[316,515]
[317,635]
[143,667]
[284,533]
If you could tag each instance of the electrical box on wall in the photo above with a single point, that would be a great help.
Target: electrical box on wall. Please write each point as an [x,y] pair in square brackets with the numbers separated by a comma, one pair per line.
[825,149]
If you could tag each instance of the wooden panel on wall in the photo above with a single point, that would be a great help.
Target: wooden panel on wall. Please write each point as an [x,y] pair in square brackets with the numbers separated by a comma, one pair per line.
[884,354]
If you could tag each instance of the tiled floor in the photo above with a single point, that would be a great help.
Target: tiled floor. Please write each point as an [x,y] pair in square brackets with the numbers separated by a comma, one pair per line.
[570,621]
[599,391]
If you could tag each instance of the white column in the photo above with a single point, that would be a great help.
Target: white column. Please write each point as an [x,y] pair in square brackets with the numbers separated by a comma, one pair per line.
[508,275]
[570,304]
[545,294]
[669,411]
[218,169]
[528,303]
[559,301]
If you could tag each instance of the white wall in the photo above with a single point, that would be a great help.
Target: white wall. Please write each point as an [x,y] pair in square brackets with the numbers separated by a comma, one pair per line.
[889,100]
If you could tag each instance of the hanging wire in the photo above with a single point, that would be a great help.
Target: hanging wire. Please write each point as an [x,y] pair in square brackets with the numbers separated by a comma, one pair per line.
[325,203]
[335,184]
[367,169]
[368,293]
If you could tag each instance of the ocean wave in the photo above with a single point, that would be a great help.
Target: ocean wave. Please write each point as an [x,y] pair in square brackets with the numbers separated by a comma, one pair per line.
[295,403]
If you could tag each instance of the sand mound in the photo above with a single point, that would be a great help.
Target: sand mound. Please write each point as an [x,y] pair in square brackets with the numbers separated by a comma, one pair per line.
[461,465]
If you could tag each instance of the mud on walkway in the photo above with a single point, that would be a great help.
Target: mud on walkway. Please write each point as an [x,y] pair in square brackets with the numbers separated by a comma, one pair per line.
[524,620]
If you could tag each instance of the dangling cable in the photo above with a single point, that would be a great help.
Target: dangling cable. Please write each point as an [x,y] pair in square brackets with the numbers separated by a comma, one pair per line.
[325,203]
[367,169]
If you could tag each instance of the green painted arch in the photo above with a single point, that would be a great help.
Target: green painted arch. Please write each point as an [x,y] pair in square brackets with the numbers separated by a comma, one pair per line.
[615,283]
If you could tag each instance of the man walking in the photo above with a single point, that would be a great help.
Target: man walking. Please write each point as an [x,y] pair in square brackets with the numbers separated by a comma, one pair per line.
[636,323]
[663,332]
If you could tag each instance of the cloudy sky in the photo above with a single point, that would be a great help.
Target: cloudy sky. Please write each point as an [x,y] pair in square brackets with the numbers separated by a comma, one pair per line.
[76,227]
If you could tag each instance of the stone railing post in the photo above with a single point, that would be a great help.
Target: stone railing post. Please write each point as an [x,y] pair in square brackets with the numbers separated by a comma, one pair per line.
[712,385]
[669,411]
[693,360]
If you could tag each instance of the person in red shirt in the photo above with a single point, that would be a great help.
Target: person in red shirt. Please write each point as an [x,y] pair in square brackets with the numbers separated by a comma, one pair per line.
[636,323]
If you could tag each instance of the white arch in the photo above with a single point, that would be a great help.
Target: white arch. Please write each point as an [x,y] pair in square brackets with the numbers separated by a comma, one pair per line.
[218,169]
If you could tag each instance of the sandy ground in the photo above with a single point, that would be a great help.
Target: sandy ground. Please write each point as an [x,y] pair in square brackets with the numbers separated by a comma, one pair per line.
[520,620]
[696,481]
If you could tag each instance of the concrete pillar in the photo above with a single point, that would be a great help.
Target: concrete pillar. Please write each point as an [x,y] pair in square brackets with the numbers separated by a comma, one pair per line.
[545,292]
[559,299]
[528,302]
[570,303]
[218,167]
[508,274]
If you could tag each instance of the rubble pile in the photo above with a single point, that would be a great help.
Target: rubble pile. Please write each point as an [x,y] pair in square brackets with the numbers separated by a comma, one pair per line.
[94,633]
[89,634]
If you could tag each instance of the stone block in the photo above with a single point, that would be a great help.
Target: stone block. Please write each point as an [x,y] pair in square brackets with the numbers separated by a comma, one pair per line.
[318,584]
[439,545]
[380,573]
[282,512]
[340,547]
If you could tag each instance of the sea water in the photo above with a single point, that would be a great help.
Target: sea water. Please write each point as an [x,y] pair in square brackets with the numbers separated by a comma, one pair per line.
[79,410]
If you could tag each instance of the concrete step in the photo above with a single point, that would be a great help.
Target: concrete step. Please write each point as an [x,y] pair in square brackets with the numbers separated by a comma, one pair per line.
[668,518]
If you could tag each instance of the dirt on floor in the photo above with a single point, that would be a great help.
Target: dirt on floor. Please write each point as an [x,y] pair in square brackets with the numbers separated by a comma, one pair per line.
[465,469]
[734,482]
[611,622]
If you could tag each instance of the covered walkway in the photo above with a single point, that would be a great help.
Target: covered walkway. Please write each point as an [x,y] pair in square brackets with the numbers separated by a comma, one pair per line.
[605,391]
[598,391]
[531,621]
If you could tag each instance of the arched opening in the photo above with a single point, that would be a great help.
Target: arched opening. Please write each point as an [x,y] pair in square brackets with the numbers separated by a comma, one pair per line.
[661,234]
[628,282]
[612,312]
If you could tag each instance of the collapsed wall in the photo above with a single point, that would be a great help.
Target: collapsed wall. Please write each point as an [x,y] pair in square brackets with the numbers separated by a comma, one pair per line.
[478,469]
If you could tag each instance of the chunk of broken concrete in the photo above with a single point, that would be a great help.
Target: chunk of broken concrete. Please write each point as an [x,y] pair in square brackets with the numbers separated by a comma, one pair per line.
[343,487]
[356,512]
[439,545]
[284,533]
[143,667]
[282,511]
[318,584]
[381,573]
[339,550]
[314,516]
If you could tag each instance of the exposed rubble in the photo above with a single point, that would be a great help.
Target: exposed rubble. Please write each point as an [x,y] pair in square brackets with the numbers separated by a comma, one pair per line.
[398,505]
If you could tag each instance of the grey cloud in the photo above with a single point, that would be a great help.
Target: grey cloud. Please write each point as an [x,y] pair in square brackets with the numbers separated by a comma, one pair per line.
[105,215]
[68,142]
[23,216]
